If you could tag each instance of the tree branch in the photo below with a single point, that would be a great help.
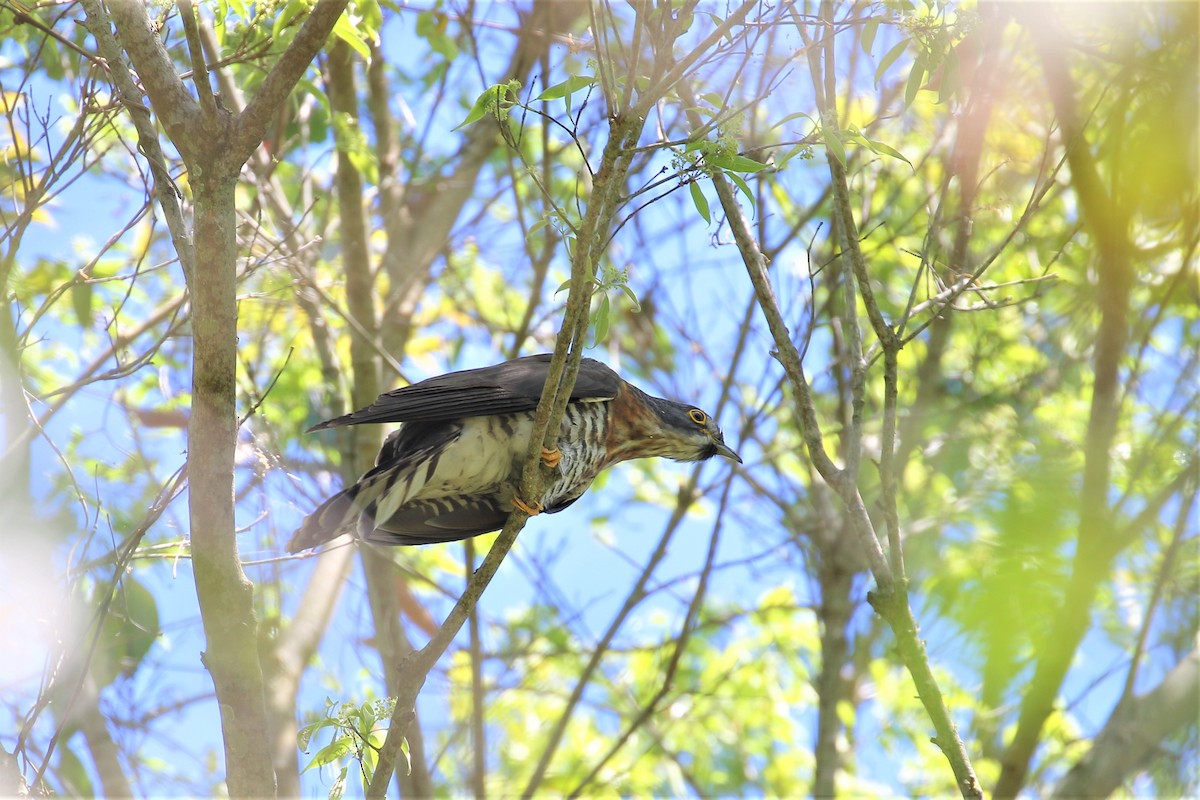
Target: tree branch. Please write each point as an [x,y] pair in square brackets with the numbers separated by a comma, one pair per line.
[252,123]
[1134,730]
[134,30]
[175,107]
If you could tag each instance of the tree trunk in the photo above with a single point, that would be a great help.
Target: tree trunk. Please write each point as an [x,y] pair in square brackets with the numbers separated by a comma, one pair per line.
[225,594]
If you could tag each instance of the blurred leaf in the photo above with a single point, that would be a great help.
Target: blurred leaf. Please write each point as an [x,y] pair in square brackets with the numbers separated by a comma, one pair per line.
[890,58]
[600,320]
[793,116]
[73,774]
[286,16]
[568,87]
[834,144]
[495,100]
[916,77]
[128,632]
[81,301]
[870,28]
[345,30]
[338,789]
[637,306]
[334,751]
[700,201]
[352,141]
[888,150]
[735,163]
[741,184]
[949,78]
[432,25]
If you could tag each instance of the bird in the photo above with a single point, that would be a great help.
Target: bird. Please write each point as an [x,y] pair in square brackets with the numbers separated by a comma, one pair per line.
[453,467]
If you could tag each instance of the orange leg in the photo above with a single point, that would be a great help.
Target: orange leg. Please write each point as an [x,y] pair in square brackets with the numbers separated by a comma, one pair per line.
[531,510]
[551,458]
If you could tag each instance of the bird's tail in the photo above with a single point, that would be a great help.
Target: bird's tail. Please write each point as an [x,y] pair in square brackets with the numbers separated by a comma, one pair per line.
[337,515]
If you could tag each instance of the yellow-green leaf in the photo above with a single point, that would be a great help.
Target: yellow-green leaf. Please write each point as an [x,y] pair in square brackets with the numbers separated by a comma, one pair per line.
[700,201]
[344,29]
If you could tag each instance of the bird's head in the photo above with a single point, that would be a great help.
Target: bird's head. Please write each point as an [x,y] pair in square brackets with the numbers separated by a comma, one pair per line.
[684,433]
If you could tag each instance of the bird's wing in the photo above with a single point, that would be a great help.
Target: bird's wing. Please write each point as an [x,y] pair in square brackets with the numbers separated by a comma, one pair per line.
[501,389]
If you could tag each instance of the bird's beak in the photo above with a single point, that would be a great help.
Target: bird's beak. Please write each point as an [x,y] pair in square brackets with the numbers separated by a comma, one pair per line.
[725,450]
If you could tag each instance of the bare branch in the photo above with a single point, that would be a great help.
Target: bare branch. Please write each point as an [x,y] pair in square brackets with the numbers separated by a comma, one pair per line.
[1137,727]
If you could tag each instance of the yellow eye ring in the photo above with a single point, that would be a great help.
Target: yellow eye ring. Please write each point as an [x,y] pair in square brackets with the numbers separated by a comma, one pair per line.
[697,416]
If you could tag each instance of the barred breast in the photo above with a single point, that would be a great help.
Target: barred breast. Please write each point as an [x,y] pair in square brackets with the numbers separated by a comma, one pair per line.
[491,451]
[582,441]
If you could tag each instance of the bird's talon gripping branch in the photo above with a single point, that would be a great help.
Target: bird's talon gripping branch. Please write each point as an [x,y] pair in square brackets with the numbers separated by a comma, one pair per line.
[531,510]
[551,458]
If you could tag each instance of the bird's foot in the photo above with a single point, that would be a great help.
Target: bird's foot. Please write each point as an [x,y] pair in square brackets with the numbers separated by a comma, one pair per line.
[551,458]
[531,509]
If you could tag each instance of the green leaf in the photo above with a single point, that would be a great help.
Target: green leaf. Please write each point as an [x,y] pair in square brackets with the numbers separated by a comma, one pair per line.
[341,746]
[431,26]
[746,164]
[890,59]
[685,21]
[888,150]
[305,734]
[834,144]
[318,123]
[344,29]
[568,87]
[491,100]
[637,306]
[951,79]
[128,632]
[430,22]
[700,201]
[371,16]
[444,46]
[81,300]
[741,184]
[915,78]
[289,13]
[852,134]
[735,163]
[338,790]
[535,227]
[72,772]
[870,28]
[803,150]
[241,8]
[404,751]
[601,319]
[353,142]
[792,116]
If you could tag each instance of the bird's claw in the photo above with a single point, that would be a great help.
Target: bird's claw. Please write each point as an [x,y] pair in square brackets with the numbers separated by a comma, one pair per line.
[551,458]
[531,509]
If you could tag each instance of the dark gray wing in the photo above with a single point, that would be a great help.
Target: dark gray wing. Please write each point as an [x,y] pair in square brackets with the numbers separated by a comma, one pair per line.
[501,389]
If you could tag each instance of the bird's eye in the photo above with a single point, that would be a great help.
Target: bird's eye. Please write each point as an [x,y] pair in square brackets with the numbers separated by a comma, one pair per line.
[697,416]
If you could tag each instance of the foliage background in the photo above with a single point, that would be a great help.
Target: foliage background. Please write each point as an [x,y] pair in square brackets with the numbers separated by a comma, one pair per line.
[724,610]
